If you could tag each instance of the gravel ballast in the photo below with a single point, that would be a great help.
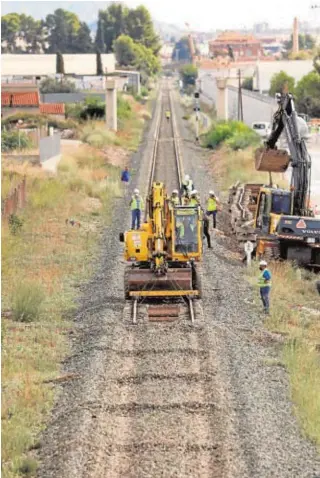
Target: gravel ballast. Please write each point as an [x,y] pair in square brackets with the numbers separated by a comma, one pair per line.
[172,400]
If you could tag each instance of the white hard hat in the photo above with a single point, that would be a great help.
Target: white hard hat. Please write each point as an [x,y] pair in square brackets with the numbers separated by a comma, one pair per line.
[262,263]
[175,191]
[136,191]
[187,177]
[194,192]
[211,193]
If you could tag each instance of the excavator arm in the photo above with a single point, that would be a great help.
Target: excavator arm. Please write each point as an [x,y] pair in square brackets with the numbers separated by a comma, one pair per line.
[286,120]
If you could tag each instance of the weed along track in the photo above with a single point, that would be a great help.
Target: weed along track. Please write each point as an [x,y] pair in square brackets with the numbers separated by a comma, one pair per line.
[170,398]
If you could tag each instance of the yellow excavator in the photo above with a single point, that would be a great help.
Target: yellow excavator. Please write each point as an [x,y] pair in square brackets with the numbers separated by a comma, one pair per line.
[284,222]
[165,252]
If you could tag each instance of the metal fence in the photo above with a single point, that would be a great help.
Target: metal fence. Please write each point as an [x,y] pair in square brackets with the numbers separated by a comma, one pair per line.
[15,200]
[49,147]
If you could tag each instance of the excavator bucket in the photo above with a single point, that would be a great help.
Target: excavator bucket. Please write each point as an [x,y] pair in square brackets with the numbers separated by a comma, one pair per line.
[271,160]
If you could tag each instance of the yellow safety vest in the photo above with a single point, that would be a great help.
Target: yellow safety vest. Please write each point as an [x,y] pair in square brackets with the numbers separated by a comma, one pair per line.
[212,204]
[136,203]
[175,200]
[261,280]
[193,202]
[168,114]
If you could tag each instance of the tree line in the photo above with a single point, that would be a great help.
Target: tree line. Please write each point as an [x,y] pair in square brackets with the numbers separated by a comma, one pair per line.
[64,32]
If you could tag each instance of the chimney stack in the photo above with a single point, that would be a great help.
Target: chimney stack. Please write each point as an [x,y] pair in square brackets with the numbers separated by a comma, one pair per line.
[295,37]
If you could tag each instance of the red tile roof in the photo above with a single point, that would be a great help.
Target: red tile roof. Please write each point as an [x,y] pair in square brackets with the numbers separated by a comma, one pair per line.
[23,98]
[52,108]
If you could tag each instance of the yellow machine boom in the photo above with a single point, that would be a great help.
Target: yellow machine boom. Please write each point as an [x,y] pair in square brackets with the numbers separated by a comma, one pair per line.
[163,253]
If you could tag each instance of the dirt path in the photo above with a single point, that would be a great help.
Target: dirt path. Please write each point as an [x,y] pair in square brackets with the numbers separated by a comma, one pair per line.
[171,400]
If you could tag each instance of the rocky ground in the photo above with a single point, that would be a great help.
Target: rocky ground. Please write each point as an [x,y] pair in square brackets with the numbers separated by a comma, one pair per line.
[171,400]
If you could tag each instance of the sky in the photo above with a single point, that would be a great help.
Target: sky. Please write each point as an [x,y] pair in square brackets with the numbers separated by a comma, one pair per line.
[202,15]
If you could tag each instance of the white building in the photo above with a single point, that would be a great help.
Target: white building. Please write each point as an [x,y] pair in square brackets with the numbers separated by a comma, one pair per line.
[29,65]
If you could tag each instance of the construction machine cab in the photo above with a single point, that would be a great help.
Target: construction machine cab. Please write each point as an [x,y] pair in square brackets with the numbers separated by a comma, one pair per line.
[186,233]
[272,203]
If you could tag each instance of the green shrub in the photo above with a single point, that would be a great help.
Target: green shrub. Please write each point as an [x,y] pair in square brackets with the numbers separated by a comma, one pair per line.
[144,91]
[28,118]
[98,137]
[12,140]
[234,133]
[27,302]
[243,140]
[15,224]
[28,466]
[62,124]
[74,111]
[124,108]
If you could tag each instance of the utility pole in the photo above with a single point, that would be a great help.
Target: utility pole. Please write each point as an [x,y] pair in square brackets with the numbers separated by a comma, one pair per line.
[240,105]
[197,108]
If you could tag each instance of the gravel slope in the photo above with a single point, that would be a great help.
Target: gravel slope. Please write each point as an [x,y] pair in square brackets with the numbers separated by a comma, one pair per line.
[171,400]
[271,442]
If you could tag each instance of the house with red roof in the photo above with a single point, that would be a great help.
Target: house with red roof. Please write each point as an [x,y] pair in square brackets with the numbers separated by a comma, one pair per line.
[25,97]
[244,47]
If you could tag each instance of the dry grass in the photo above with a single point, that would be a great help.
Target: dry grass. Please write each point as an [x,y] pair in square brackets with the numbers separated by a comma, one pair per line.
[47,256]
[295,314]
[231,166]
[295,305]
[129,131]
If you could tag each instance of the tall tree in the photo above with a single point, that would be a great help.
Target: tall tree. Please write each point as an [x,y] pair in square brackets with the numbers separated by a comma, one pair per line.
[99,64]
[279,81]
[114,24]
[63,27]
[316,62]
[124,48]
[21,33]
[139,26]
[181,50]
[59,63]
[99,40]
[308,94]
[10,26]
[130,53]
[83,41]
[306,42]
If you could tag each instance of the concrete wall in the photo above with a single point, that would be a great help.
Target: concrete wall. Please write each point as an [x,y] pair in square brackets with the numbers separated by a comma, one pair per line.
[49,147]
[256,107]
[23,109]
[44,65]
[69,97]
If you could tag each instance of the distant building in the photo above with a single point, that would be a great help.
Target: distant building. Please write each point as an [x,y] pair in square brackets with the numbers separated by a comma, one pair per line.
[264,72]
[260,27]
[25,98]
[243,46]
[33,66]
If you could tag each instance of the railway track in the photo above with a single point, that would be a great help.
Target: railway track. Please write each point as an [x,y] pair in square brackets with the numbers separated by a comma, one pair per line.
[164,417]
[166,166]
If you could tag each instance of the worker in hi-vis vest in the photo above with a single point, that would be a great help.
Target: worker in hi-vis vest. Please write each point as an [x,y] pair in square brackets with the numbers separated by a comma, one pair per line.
[187,186]
[194,200]
[136,204]
[264,283]
[212,207]
[174,198]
